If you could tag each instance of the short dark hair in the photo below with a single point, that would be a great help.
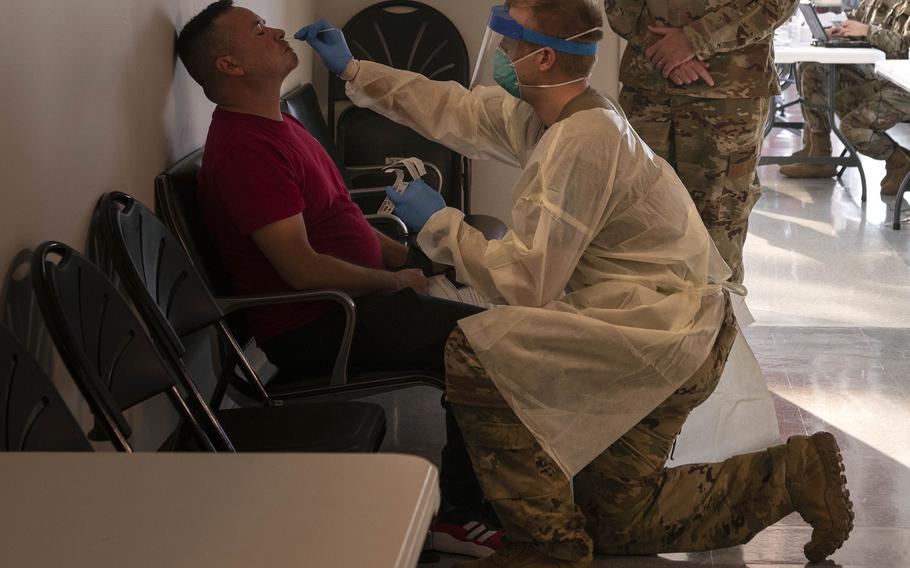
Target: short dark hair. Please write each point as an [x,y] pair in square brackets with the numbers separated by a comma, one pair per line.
[566,18]
[198,45]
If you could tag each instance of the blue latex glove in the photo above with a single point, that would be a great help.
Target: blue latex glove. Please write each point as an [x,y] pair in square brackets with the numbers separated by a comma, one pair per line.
[329,43]
[416,205]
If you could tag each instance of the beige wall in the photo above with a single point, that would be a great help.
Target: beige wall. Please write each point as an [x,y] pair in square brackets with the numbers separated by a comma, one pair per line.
[492,181]
[90,102]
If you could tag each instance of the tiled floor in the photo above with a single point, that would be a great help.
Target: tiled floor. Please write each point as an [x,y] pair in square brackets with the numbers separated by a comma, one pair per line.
[828,282]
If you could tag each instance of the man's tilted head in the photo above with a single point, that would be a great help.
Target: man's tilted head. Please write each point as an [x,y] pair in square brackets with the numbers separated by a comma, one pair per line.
[230,51]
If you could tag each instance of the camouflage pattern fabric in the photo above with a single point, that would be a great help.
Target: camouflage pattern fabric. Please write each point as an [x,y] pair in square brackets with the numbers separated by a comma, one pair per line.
[866,104]
[531,496]
[714,146]
[634,505]
[735,37]
[876,11]
[629,501]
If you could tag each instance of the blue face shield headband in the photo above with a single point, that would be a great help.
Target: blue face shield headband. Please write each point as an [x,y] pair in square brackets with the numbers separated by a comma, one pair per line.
[504,72]
[502,23]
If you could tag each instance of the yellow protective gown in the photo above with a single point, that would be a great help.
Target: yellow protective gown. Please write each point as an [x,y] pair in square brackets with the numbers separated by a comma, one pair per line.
[611,286]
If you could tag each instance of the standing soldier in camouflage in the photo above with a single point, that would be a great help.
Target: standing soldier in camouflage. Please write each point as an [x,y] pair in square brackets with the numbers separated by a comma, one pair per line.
[867,105]
[697,80]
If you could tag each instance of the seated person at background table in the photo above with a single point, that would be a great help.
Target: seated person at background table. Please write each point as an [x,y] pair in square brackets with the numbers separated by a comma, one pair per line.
[282,219]
[866,104]
[614,322]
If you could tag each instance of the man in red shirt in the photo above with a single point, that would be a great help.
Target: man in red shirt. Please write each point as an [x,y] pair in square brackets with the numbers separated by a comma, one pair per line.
[282,219]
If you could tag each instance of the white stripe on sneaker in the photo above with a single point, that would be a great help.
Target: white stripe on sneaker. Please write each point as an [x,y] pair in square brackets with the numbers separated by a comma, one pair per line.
[469,526]
[476,532]
[487,535]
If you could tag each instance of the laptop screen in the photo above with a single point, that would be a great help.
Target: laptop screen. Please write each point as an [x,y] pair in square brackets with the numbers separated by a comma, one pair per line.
[815,25]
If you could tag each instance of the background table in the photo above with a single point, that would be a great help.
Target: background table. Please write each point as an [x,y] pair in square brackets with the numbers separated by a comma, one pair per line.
[898,72]
[219,510]
[832,57]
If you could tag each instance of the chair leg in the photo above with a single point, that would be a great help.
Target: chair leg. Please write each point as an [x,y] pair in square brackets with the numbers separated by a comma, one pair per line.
[899,202]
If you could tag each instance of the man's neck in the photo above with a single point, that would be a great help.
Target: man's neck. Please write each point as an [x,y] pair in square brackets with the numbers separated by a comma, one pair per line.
[548,103]
[265,103]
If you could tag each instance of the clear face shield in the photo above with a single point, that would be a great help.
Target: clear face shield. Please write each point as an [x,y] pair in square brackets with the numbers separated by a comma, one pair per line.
[501,40]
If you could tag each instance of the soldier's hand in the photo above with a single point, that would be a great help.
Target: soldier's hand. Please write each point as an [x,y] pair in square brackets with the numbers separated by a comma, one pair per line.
[670,51]
[690,72]
[850,28]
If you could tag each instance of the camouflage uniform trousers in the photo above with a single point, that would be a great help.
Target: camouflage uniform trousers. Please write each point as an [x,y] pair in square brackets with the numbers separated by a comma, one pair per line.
[714,146]
[629,501]
[531,496]
[866,105]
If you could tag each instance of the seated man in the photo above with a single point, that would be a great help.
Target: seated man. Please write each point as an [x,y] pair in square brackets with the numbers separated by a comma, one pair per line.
[867,104]
[282,219]
[613,321]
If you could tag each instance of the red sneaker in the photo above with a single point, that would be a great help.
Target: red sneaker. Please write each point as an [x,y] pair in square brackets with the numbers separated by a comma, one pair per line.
[460,531]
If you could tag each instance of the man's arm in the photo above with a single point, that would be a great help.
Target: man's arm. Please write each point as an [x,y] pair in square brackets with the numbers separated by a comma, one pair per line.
[287,247]
[394,254]
[891,41]
[629,20]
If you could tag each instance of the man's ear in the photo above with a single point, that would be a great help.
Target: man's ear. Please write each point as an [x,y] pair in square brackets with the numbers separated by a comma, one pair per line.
[229,66]
[547,59]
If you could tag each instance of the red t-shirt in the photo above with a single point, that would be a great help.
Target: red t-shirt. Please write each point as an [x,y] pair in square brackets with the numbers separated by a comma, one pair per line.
[257,171]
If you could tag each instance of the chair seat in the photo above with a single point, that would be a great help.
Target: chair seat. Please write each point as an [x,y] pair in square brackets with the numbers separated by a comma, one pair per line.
[318,427]
[291,386]
[492,228]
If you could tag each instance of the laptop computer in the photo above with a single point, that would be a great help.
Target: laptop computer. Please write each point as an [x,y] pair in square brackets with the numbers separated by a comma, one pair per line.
[818,31]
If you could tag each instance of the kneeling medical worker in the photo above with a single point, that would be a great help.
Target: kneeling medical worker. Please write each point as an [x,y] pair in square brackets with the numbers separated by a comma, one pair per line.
[614,320]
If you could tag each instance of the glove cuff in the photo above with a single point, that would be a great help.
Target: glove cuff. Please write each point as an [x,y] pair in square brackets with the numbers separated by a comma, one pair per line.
[350,71]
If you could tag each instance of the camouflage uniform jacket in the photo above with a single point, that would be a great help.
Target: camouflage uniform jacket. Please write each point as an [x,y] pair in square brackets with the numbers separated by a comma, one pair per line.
[872,11]
[892,34]
[734,36]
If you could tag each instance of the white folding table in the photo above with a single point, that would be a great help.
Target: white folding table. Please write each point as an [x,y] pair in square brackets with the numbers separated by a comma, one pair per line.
[176,510]
[832,57]
[898,72]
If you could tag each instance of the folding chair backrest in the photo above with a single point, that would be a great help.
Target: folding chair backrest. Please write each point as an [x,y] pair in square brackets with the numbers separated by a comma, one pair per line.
[406,35]
[33,416]
[104,346]
[156,270]
[176,203]
[168,291]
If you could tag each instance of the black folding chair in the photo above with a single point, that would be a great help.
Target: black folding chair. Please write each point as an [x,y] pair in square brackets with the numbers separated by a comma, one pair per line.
[406,35]
[33,417]
[175,197]
[115,365]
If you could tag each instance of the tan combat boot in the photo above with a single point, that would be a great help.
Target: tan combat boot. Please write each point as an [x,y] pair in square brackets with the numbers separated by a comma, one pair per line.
[818,491]
[897,166]
[816,144]
[523,555]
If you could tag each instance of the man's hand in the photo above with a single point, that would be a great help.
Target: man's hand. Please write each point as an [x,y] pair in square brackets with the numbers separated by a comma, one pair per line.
[416,205]
[691,71]
[411,278]
[850,28]
[328,41]
[670,51]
